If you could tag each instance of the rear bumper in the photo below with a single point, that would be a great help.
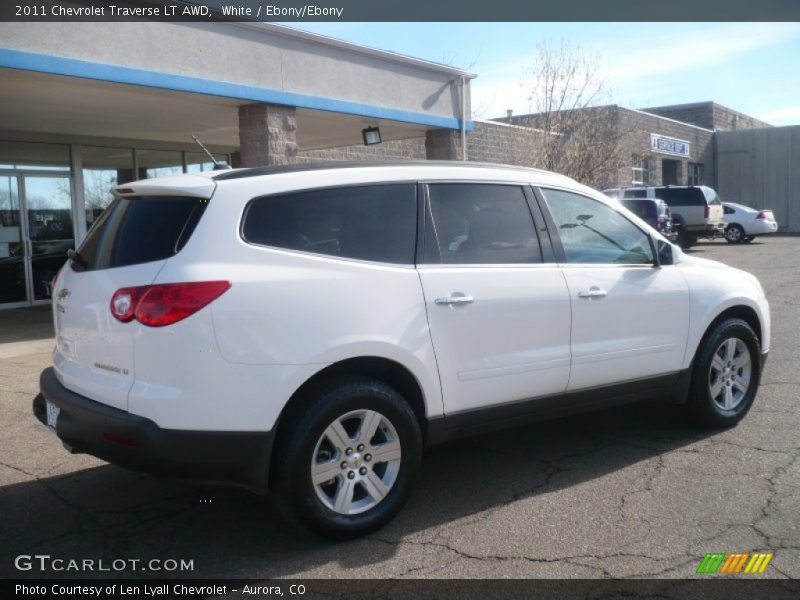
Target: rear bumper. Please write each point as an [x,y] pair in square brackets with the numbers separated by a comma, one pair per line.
[137,443]
[761,227]
[708,229]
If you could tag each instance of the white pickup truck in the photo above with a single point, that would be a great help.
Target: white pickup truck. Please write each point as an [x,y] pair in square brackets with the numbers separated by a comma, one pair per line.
[697,210]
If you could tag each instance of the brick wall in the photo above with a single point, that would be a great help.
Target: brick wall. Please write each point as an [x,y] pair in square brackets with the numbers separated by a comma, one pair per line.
[709,115]
[489,142]
[413,148]
[637,127]
[501,143]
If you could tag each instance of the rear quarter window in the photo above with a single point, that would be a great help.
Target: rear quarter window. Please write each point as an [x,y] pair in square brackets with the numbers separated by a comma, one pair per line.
[366,222]
[140,229]
[681,196]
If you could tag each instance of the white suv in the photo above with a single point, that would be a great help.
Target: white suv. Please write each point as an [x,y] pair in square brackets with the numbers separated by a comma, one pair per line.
[310,329]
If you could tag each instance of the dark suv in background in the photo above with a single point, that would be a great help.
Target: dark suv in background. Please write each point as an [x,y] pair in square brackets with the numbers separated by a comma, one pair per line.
[697,210]
[655,213]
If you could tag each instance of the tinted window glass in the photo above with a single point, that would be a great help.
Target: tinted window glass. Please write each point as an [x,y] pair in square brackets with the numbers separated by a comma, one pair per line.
[369,222]
[592,232]
[713,198]
[635,194]
[644,209]
[479,224]
[681,196]
[727,210]
[140,229]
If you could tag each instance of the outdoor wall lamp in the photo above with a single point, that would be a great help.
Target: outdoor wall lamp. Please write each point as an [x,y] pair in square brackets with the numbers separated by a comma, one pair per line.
[371,135]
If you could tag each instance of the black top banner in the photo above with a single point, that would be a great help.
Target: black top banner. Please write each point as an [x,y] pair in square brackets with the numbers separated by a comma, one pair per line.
[406,11]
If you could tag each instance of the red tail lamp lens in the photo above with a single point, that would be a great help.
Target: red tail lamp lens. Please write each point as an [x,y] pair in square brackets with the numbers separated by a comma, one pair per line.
[123,303]
[165,304]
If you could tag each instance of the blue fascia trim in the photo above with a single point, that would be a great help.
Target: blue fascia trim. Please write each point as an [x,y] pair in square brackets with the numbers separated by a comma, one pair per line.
[72,67]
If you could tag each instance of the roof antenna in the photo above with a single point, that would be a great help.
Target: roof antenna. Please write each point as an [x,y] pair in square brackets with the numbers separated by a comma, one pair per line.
[218,166]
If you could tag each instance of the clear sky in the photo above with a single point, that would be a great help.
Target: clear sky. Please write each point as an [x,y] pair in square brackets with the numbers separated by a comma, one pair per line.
[751,67]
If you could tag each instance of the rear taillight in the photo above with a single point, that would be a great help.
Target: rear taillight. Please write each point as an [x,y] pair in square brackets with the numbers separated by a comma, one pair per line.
[164,304]
[762,216]
[706,211]
[124,301]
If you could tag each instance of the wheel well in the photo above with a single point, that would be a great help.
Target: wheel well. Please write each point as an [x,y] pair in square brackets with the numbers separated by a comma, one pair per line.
[745,313]
[388,371]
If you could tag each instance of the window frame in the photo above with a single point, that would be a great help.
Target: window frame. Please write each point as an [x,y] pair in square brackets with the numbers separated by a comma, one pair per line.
[410,182]
[546,254]
[555,237]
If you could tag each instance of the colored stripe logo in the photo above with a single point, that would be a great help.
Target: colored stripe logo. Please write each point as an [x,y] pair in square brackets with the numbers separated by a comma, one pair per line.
[734,563]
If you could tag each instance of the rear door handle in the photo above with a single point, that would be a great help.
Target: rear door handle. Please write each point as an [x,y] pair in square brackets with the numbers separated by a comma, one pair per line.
[594,292]
[454,300]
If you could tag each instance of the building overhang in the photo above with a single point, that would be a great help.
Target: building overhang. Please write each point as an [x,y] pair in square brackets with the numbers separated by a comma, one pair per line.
[81,108]
[104,79]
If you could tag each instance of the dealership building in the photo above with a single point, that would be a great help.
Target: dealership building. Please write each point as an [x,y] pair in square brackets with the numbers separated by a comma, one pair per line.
[87,106]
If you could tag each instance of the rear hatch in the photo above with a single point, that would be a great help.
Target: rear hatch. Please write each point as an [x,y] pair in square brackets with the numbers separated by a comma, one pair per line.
[128,246]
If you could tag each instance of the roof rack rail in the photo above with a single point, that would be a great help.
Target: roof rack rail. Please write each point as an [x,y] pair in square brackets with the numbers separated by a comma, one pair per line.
[317,166]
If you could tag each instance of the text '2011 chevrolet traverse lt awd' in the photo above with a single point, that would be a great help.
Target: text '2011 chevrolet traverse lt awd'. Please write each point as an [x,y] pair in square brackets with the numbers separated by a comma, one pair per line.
[310,329]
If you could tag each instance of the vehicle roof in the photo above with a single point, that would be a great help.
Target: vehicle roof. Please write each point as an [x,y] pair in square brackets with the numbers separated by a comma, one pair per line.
[341,173]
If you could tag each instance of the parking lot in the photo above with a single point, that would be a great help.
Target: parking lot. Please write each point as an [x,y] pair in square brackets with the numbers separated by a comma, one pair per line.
[629,492]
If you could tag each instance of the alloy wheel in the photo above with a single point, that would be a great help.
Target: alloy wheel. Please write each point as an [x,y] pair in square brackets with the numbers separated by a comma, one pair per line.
[356,462]
[730,374]
[733,234]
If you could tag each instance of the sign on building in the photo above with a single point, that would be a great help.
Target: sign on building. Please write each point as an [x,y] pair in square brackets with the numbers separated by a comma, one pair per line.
[668,145]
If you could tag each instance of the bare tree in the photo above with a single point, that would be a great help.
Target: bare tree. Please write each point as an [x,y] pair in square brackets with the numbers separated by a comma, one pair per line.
[569,103]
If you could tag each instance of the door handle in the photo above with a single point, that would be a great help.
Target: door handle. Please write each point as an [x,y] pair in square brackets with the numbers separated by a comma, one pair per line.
[454,300]
[594,292]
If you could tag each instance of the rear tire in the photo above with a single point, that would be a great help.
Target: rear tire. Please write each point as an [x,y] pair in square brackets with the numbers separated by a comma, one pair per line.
[734,234]
[726,375]
[329,472]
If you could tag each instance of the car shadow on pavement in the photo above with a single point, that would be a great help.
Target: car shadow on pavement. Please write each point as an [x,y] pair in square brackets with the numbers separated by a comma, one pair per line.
[107,512]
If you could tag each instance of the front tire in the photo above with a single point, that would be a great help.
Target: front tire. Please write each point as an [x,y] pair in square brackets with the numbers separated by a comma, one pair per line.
[346,466]
[726,375]
[734,234]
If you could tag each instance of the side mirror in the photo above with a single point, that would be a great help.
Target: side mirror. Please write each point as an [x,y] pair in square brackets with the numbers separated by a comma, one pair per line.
[665,256]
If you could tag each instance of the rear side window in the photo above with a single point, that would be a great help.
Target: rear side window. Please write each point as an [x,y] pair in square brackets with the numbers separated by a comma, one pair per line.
[367,222]
[682,196]
[140,229]
[470,223]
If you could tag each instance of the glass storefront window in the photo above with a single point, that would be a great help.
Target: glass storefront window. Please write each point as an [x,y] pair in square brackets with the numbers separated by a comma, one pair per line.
[158,163]
[197,162]
[103,169]
[34,156]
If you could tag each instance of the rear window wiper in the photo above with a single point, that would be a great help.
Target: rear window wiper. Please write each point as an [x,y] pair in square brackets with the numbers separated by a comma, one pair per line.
[75,257]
